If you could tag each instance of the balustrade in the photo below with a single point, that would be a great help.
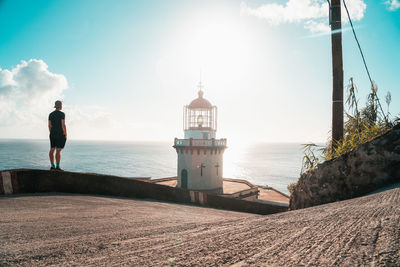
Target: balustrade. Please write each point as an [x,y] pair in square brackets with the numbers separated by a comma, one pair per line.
[200,142]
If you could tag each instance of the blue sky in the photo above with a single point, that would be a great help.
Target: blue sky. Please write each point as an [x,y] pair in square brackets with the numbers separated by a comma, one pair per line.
[125,69]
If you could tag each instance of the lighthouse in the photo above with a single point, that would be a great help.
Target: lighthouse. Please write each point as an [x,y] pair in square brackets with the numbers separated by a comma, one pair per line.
[200,154]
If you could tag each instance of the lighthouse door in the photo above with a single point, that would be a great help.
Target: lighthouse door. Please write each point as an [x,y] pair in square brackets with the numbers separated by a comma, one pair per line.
[184,179]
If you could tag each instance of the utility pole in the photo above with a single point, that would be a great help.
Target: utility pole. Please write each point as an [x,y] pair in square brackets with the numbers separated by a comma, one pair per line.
[337,72]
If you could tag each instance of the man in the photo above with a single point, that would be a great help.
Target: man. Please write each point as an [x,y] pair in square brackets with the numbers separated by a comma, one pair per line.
[58,134]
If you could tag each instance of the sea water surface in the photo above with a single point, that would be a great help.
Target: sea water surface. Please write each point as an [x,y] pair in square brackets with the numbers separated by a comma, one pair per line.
[272,164]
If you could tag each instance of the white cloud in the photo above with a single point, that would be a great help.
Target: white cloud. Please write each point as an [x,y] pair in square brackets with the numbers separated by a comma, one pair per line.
[317,27]
[27,90]
[313,14]
[6,82]
[293,11]
[27,95]
[393,4]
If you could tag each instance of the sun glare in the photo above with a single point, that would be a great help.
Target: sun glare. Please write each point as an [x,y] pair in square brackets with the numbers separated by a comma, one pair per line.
[219,45]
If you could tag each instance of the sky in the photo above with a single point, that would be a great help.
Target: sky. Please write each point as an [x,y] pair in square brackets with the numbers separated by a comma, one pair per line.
[125,69]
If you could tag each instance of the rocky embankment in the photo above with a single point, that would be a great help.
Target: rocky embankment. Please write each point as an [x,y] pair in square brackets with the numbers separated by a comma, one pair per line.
[89,230]
[363,170]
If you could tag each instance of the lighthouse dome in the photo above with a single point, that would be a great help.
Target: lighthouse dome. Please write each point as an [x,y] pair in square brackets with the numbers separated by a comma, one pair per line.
[200,102]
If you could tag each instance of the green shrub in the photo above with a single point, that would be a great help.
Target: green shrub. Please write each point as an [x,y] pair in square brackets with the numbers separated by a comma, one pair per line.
[360,127]
[291,188]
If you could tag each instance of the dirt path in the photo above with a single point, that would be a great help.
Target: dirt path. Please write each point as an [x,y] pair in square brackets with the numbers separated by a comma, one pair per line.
[89,230]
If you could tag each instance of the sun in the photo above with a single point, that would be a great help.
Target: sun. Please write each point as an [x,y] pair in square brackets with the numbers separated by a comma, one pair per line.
[217,43]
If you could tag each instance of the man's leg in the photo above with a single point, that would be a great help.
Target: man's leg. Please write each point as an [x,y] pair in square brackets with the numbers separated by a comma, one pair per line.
[58,157]
[51,156]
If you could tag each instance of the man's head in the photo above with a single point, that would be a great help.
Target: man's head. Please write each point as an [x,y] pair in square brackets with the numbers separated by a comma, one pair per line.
[58,105]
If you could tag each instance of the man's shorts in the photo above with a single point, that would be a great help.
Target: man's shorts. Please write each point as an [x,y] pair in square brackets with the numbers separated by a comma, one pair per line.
[57,141]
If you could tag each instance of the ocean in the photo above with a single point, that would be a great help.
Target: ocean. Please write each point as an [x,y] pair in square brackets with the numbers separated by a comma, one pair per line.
[273,164]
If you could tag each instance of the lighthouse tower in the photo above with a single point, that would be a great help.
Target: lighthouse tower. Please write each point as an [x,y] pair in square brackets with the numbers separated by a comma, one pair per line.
[200,154]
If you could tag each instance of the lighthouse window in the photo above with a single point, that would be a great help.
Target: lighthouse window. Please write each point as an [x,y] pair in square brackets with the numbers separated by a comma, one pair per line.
[199,118]
[184,179]
[217,167]
[202,166]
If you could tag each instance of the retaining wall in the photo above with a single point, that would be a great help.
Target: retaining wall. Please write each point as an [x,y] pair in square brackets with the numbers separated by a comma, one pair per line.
[356,173]
[39,181]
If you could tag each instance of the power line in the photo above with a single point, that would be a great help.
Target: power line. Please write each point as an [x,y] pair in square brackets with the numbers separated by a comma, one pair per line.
[363,58]
[358,43]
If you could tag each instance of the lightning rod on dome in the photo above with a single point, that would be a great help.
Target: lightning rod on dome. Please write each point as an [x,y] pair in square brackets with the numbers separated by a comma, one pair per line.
[200,86]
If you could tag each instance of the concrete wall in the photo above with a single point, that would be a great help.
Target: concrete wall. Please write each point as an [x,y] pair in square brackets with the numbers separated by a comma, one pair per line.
[39,181]
[36,181]
[199,134]
[191,158]
[363,170]
[249,194]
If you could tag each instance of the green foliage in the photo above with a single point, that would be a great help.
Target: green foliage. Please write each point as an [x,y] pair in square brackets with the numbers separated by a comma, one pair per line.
[292,187]
[359,127]
[353,139]
[310,159]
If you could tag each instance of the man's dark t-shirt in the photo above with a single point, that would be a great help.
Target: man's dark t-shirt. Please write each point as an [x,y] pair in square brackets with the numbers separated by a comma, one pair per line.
[56,128]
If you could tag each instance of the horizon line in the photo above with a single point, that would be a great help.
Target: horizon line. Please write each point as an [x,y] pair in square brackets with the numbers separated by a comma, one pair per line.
[161,141]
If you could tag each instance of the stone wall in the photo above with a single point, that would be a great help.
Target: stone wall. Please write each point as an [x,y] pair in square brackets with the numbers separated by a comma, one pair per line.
[363,170]
[41,181]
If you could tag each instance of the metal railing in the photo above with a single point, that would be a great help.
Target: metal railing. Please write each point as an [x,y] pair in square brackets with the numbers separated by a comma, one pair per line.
[200,142]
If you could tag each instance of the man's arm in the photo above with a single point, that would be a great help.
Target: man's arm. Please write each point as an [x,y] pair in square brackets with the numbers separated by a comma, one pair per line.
[64,128]
[49,125]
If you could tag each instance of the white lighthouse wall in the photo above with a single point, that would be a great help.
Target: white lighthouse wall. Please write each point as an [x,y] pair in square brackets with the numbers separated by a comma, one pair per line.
[210,180]
[199,134]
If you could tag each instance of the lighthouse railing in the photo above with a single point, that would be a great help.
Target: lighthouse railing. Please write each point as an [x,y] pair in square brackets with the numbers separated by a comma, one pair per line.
[182,142]
[200,142]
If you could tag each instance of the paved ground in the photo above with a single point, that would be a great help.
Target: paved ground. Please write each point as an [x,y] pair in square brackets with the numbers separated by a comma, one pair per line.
[89,230]
[231,187]
[272,195]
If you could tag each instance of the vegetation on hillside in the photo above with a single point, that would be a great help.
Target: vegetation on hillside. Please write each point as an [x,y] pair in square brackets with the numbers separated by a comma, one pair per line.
[361,125]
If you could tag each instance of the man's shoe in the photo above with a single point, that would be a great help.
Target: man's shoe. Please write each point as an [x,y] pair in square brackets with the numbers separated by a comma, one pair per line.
[52,168]
[59,169]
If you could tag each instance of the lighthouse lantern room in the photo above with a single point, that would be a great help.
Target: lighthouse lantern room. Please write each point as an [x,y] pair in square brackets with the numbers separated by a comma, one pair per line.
[200,119]
[200,154]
